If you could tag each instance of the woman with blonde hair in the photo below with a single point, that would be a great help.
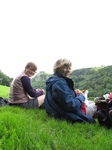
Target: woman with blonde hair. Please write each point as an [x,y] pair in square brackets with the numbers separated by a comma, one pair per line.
[61,101]
[21,91]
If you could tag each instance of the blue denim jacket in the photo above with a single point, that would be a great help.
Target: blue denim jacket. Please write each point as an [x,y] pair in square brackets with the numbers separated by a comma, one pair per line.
[61,101]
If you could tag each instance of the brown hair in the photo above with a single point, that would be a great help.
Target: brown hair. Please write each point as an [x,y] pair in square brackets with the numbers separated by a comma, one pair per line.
[31,66]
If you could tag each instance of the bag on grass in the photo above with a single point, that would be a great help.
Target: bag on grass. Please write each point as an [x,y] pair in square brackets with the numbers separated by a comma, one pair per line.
[104,111]
[3,101]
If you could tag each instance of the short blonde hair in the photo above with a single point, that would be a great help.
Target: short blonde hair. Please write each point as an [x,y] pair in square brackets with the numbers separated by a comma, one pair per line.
[60,63]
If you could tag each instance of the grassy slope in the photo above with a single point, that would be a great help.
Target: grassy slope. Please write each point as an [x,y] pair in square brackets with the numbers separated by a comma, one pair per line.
[23,129]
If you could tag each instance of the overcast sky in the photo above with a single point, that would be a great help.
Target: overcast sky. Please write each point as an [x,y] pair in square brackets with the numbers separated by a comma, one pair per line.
[43,31]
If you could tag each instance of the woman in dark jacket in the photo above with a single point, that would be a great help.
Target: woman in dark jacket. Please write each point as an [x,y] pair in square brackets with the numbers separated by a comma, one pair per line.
[60,99]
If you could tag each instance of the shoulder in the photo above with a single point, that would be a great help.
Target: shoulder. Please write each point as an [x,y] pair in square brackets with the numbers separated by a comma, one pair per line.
[25,79]
[60,82]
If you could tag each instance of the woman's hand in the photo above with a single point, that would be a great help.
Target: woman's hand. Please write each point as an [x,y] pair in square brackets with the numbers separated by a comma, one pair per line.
[77,91]
[37,90]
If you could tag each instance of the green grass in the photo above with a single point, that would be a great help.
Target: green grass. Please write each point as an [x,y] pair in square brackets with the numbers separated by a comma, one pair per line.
[4,91]
[32,129]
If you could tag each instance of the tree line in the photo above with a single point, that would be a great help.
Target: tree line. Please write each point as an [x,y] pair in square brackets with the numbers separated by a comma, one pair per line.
[4,79]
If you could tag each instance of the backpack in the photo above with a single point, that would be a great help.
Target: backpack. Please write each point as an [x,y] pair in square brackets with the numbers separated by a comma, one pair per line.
[104,111]
[3,101]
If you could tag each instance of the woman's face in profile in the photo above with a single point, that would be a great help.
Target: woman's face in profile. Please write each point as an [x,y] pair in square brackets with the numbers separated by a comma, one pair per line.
[66,70]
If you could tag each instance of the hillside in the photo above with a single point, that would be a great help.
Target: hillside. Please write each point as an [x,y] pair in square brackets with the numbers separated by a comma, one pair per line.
[96,80]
